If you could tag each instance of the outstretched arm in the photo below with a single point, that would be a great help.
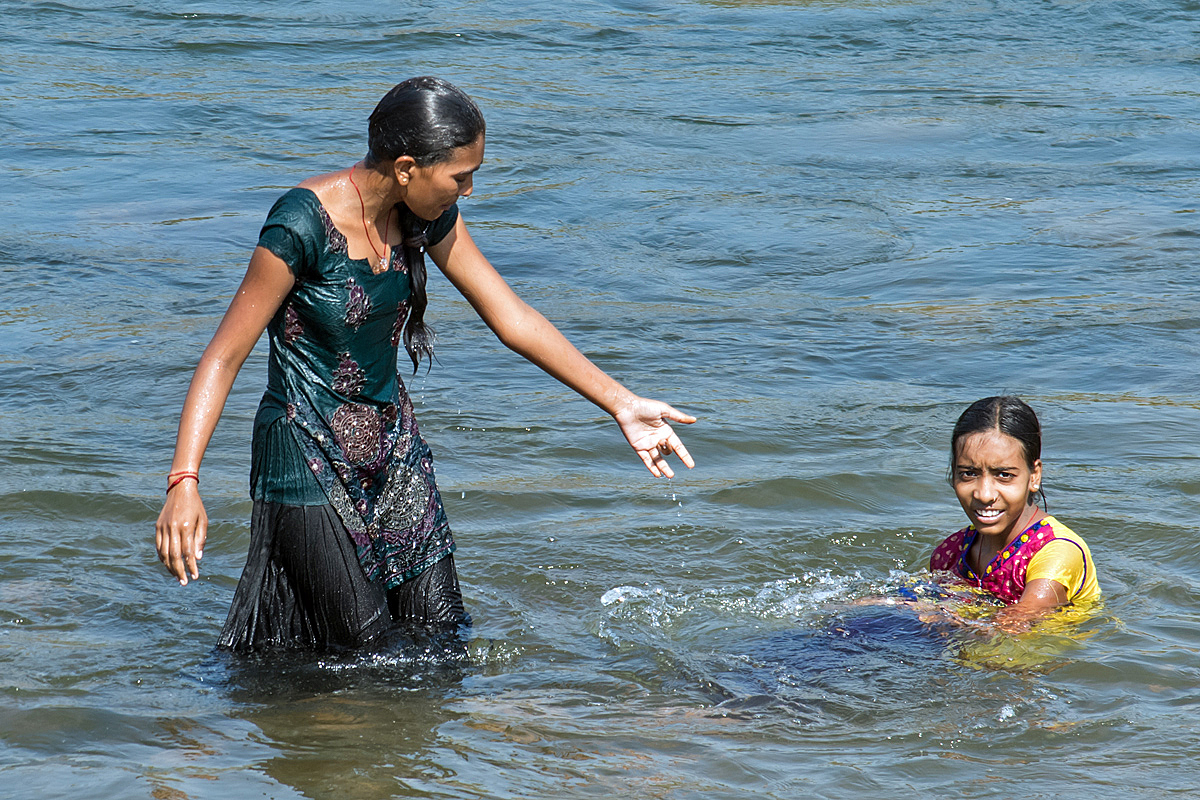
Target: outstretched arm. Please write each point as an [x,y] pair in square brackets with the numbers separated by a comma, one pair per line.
[525,331]
[183,524]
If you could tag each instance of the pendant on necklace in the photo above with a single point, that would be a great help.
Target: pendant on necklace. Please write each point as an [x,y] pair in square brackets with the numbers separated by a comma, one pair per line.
[383,262]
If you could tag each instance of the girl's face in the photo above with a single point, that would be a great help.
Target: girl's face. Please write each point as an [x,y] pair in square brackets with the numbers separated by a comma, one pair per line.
[430,191]
[994,483]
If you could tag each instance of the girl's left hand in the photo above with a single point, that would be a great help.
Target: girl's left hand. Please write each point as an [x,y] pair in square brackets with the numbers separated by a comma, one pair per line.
[644,424]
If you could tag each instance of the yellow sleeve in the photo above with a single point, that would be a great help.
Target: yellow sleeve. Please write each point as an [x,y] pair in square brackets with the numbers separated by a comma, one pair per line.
[1067,561]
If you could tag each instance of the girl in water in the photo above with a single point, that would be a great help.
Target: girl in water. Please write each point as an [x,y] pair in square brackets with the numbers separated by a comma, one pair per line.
[1012,548]
[348,534]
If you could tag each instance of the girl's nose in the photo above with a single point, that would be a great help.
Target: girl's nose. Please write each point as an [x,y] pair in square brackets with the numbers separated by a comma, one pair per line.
[985,491]
[466,189]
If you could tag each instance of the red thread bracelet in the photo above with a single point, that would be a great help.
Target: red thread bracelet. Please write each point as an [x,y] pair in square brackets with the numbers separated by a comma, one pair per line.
[176,478]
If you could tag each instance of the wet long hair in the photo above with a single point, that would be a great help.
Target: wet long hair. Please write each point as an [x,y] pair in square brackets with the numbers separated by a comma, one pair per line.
[426,119]
[1008,414]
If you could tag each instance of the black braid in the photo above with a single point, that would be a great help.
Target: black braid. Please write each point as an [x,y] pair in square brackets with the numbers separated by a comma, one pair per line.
[418,336]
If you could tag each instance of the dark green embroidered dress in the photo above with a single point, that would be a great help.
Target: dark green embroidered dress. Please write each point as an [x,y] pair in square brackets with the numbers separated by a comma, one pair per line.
[335,428]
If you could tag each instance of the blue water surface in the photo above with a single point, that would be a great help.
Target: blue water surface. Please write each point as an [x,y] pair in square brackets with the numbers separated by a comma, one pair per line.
[822,227]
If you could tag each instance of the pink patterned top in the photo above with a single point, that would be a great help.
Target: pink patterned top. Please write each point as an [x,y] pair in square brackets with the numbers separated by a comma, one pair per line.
[1005,576]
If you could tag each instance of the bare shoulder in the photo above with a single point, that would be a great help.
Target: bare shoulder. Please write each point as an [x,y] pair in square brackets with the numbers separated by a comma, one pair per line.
[327,187]
[331,191]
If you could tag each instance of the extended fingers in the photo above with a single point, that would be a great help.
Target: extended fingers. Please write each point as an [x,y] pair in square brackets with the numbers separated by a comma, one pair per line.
[164,542]
[176,550]
[170,553]
[673,444]
[660,459]
[195,551]
[655,456]
[649,458]
[675,415]
[180,542]
[180,533]
[681,451]
[645,425]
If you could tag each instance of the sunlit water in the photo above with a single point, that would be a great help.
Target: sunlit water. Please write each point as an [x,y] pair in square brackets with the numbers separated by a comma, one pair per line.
[822,227]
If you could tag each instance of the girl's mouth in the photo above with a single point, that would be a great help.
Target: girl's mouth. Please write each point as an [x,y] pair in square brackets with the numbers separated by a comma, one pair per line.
[988,514]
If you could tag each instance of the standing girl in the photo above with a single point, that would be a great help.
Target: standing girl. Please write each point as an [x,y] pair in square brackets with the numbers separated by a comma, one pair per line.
[348,535]
[1012,548]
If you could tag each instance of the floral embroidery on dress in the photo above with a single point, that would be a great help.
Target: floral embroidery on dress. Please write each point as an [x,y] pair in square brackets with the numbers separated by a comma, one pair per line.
[391,506]
[357,428]
[358,305]
[348,378]
[293,328]
[335,241]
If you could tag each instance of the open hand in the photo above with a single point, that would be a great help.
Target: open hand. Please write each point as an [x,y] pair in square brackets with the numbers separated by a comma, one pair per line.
[644,424]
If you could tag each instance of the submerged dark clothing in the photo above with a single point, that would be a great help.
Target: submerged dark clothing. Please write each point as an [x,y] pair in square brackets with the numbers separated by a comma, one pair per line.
[303,587]
[336,445]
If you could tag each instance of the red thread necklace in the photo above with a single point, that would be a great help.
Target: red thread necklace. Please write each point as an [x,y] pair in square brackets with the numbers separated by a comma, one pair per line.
[383,257]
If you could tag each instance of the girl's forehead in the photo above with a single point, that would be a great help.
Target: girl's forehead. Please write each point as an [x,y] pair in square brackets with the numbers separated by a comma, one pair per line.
[468,157]
[993,446]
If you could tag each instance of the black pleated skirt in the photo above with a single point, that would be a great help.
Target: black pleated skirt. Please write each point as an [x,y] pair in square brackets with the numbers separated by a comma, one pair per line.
[303,588]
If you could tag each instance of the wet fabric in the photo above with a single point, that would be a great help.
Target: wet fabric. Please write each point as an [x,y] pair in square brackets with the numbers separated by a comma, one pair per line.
[336,425]
[1046,549]
[303,587]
